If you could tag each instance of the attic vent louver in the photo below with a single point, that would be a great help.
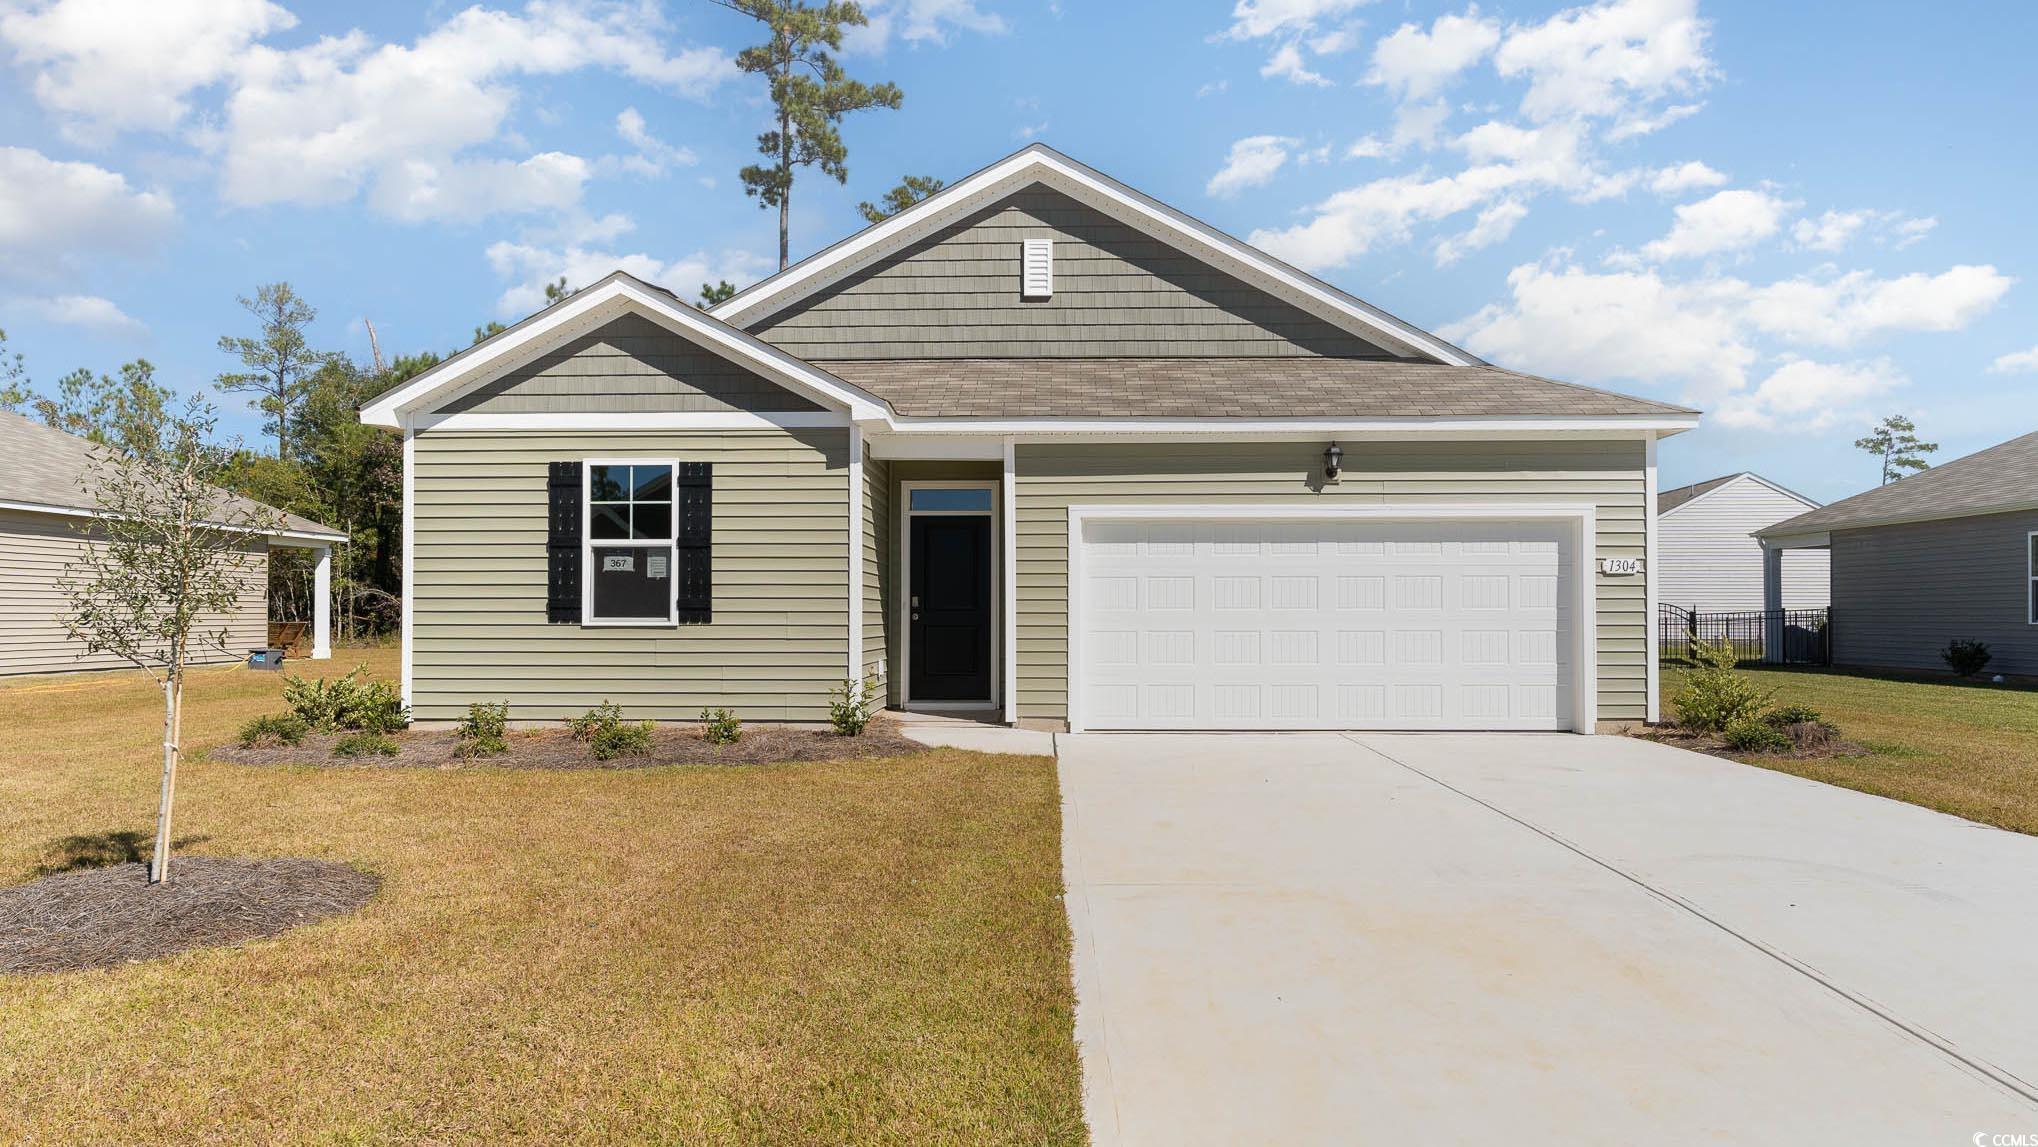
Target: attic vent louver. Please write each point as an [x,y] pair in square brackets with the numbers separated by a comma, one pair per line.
[1036,269]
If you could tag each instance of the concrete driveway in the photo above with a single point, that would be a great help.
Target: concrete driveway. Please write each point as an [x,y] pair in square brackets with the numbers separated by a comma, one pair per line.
[1535,939]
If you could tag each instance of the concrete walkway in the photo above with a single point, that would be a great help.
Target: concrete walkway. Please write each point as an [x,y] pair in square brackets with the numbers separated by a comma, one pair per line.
[1534,939]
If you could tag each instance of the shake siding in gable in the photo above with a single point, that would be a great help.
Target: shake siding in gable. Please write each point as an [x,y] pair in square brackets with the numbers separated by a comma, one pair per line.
[1117,293]
[1051,477]
[781,553]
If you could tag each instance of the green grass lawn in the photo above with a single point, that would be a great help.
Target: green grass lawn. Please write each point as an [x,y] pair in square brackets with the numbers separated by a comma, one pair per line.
[1967,749]
[868,951]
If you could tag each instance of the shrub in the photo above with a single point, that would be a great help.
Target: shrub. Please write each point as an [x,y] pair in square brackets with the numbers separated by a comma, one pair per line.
[1966,658]
[272,729]
[1752,735]
[852,704]
[1794,715]
[352,701]
[364,744]
[608,736]
[1716,696]
[482,733]
[720,727]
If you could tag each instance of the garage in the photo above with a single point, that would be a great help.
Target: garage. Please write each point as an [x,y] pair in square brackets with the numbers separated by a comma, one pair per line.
[1263,620]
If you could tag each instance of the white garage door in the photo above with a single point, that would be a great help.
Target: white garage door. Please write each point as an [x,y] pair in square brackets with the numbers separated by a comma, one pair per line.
[1243,624]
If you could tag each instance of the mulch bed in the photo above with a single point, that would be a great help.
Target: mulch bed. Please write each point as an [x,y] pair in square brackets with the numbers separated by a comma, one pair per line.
[102,917]
[1701,742]
[557,749]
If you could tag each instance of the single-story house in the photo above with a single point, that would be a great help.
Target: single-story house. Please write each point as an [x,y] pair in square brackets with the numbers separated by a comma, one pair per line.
[1947,554]
[1039,446]
[46,513]
[1707,555]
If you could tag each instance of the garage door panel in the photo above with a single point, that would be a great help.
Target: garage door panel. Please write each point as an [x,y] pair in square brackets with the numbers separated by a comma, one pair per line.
[1315,624]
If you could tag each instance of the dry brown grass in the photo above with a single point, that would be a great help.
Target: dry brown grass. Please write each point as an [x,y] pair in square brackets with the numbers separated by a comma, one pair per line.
[851,951]
[1967,749]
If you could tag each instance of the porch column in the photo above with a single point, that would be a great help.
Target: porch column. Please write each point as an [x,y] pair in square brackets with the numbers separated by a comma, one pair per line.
[1772,603]
[322,605]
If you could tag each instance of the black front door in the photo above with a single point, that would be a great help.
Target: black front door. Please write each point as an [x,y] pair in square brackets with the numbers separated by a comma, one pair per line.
[950,608]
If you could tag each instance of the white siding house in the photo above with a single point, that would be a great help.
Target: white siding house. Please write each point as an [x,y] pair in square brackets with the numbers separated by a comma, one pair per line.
[1707,558]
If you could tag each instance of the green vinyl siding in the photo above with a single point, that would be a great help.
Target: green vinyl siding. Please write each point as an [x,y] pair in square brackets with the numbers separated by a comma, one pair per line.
[1051,477]
[1118,292]
[781,551]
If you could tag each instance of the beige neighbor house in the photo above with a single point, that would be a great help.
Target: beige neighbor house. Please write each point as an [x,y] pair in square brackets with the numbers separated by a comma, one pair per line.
[46,514]
[1041,447]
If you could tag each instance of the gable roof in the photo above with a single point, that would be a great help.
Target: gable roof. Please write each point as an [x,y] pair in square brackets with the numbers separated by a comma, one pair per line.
[1670,500]
[617,294]
[1997,480]
[44,470]
[1262,388]
[1040,164]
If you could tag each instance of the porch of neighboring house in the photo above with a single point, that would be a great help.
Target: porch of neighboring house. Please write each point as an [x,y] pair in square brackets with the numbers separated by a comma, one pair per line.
[309,634]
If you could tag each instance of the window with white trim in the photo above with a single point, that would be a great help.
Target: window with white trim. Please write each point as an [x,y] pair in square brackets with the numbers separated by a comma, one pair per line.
[628,550]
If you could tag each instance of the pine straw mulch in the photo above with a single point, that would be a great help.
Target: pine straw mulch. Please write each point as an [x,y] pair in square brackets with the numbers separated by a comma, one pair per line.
[1807,745]
[102,917]
[557,749]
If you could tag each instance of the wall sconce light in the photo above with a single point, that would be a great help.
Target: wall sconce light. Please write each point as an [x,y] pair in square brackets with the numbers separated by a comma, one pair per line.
[1332,456]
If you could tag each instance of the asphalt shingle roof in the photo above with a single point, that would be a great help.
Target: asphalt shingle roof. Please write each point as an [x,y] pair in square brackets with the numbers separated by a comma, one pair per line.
[1995,480]
[43,466]
[1222,388]
[1671,499]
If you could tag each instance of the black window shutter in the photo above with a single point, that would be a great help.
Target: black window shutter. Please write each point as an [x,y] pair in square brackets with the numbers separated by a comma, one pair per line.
[693,494]
[562,544]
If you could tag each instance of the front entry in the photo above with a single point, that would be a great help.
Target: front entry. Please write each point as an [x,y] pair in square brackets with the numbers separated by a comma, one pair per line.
[949,608]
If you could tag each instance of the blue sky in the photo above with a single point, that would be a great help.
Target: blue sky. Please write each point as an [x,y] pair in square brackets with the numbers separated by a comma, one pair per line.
[1797,217]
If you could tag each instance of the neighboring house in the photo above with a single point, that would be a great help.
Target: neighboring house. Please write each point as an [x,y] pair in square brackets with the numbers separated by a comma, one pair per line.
[45,518]
[1706,550]
[1039,446]
[1949,553]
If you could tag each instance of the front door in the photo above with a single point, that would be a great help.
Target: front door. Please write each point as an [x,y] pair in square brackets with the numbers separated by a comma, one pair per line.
[949,608]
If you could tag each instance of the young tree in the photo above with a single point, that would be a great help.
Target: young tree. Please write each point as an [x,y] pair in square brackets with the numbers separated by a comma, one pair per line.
[164,563]
[910,190]
[810,94]
[1895,442]
[118,412]
[278,362]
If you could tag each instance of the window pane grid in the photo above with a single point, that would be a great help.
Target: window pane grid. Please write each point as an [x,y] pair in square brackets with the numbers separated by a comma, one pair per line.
[631,554]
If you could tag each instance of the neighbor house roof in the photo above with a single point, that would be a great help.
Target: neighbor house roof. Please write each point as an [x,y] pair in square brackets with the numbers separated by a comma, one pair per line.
[1992,481]
[1222,388]
[45,470]
[1669,500]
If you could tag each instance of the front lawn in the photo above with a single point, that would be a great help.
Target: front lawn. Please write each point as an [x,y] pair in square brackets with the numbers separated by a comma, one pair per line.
[1967,749]
[847,951]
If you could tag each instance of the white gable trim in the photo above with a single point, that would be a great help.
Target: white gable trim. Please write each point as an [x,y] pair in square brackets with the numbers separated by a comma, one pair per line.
[1041,164]
[1745,475]
[587,310]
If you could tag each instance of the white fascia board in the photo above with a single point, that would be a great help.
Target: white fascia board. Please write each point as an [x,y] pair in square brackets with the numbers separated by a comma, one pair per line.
[588,309]
[1808,541]
[1038,163]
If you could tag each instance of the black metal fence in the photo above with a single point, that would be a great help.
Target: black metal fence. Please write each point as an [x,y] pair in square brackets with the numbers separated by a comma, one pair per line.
[1769,637]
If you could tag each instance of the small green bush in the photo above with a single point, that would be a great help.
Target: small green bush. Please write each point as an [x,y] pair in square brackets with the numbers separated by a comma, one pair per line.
[1784,715]
[273,729]
[1966,658]
[364,744]
[1752,735]
[720,727]
[606,715]
[484,731]
[351,701]
[852,704]
[608,736]
[1716,696]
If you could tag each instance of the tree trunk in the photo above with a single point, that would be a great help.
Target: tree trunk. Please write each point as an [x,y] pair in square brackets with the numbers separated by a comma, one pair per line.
[785,191]
[173,705]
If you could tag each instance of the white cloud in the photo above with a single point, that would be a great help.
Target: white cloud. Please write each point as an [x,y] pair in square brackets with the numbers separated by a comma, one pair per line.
[1806,395]
[1286,62]
[1831,231]
[90,312]
[532,266]
[919,22]
[1646,123]
[1366,147]
[55,215]
[653,155]
[1413,64]
[1690,176]
[1845,309]
[1213,88]
[1494,225]
[2016,362]
[1728,221]
[1608,59]
[1911,230]
[416,190]
[1030,130]
[1258,19]
[1253,161]
[111,65]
